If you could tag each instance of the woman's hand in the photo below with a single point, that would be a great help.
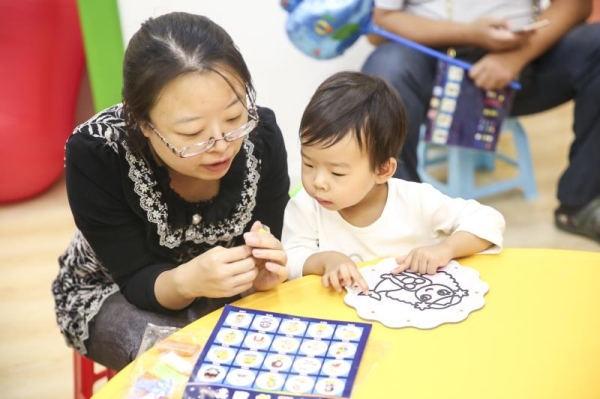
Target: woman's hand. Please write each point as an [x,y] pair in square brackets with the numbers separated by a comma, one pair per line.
[269,255]
[219,273]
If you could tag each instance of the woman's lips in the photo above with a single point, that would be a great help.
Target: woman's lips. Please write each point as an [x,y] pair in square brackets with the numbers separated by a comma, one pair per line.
[219,166]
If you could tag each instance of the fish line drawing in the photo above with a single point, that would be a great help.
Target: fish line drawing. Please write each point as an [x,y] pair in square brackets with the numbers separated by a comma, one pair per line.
[419,290]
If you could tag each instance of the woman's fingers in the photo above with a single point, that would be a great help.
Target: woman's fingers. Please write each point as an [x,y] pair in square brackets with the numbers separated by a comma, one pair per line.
[244,278]
[277,269]
[273,255]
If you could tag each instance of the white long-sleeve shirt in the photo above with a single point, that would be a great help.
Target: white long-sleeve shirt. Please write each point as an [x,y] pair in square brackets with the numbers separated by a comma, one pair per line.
[415,214]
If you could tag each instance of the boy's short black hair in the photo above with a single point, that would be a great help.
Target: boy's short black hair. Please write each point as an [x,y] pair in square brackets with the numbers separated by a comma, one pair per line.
[359,104]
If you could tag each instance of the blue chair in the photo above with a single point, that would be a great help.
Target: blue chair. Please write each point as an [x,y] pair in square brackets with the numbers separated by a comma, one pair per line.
[462,163]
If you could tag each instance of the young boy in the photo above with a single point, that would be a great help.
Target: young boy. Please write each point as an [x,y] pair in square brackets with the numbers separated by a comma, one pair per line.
[351,210]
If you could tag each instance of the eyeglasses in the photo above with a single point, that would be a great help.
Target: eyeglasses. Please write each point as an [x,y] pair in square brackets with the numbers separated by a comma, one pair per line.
[199,148]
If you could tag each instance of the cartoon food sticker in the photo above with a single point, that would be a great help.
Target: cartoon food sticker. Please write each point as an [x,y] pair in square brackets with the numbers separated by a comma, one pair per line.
[455,73]
[336,367]
[270,381]
[299,384]
[320,330]
[444,120]
[452,89]
[313,348]
[277,362]
[292,327]
[249,359]
[265,323]
[440,136]
[257,341]
[230,337]
[342,349]
[238,319]
[348,332]
[210,373]
[307,365]
[448,105]
[329,386]
[285,344]
[240,377]
[220,354]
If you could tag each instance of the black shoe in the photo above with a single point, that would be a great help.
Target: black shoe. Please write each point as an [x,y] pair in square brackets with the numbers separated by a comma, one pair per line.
[585,222]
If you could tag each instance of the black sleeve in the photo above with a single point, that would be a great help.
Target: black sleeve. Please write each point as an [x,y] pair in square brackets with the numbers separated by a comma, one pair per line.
[118,236]
[274,185]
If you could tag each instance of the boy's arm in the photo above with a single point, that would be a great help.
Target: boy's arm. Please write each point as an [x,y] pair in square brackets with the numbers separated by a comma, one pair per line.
[319,262]
[429,259]
[450,216]
[463,243]
[300,234]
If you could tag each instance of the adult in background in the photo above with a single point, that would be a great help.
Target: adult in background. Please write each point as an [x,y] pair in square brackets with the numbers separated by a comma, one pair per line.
[555,64]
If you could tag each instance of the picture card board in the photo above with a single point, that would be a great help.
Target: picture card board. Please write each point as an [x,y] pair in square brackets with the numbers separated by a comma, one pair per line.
[265,355]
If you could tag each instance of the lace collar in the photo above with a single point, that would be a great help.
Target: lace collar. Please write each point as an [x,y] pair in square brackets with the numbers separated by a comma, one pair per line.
[206,231]
[232,210]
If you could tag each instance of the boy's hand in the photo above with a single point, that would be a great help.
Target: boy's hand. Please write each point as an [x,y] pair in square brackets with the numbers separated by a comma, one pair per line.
[339,274]
[424,260]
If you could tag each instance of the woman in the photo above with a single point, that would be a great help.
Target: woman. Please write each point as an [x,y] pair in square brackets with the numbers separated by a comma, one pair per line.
[171,192]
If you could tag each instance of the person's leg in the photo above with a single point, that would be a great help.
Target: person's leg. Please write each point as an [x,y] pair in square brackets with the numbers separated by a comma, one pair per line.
[116,332]
[412,74]
[571,70]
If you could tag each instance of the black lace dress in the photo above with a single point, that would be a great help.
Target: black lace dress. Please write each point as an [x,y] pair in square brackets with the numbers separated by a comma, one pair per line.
[131,226]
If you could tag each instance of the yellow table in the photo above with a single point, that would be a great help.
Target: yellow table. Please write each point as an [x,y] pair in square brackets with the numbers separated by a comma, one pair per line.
[538,336]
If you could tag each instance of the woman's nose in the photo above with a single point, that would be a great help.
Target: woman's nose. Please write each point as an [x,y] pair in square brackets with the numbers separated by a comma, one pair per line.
[220,143]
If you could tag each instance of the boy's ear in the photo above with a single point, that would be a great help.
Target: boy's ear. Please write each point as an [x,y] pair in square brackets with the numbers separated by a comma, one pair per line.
[387,170]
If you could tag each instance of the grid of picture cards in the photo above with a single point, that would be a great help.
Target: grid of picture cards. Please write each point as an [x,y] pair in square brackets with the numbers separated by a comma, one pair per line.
[261,355]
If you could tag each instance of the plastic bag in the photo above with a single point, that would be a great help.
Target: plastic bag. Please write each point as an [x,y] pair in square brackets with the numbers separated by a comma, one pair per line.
[164,362]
